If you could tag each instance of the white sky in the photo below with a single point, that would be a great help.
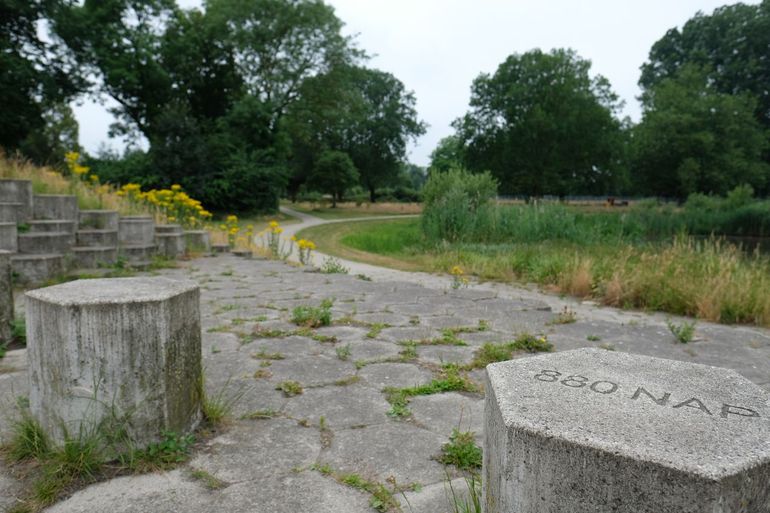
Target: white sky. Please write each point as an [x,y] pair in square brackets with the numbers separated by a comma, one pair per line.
[437,47]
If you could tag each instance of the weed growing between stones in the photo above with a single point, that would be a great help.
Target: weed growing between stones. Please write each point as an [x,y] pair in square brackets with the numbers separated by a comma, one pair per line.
[218,408]
[382,497]
[263,374]
[683,332]
[451,379]
[264,355]
[461,451]
[313,317]
[324,339]
[333,266]
[208,480]
[347,381]
[343,352]
[95,453]
[491,353]
[593,338]
[376,328]
[289,388]
[565,316]
[469,502]
[261,415]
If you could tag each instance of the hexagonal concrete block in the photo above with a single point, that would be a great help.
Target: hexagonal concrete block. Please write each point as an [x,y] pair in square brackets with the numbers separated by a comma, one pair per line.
[598,431]
[6,297]
[120,350]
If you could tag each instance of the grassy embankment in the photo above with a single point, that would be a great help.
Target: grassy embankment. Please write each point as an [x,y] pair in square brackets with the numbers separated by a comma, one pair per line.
[350,210]
[606,257]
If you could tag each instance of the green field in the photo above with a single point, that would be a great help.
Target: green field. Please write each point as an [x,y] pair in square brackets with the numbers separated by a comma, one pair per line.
[706,279]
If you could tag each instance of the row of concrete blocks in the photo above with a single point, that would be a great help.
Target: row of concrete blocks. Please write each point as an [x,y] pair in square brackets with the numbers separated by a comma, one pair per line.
[60,237]
[585,431]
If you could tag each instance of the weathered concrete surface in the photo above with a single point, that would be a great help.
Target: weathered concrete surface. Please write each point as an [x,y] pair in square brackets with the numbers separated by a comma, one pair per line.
[264,458]
[36,269]
[125,348]
[9,237]
[40,243]
[98,219]
[55,206]
[170,244]
[136,230]
[9,212]
[197,241]
[18,191]
[592,430]
[6,298]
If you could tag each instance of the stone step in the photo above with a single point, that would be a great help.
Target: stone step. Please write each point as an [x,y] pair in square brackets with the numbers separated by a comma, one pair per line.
[9,237]
[220,248]
[197,241]
[94,238]
[170,245]
[86,257]
[137,253]
[9,211]
[45,242]
[168,228]
[18,191]
[55,206]
[36,269]
[99,219]
[52,225]
[136,231]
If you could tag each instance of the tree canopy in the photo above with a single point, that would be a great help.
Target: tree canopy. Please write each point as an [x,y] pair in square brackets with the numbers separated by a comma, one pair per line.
[542,125]
[694,138]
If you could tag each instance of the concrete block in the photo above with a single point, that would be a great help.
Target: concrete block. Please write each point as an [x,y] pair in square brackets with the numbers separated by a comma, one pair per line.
[9,212]
[598,431]
[45,242]
[52,225]
[55,206]
[18,191]
[99,219]
[167,228]
[125,350]
[136,230]
[36,269]
[91,257]
[138,253]
[97,238]
[220,248]
[197,241]
[170,245]
[9,237]
[6,297]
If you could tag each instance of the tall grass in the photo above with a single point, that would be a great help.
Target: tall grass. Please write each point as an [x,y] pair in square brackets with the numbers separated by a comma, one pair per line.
[707,279]
[46,180]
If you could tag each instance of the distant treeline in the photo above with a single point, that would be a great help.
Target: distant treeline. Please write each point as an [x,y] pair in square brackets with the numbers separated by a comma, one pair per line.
[243,102]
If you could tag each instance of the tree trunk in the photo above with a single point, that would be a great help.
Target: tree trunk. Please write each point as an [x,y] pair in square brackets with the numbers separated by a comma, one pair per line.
[372,197]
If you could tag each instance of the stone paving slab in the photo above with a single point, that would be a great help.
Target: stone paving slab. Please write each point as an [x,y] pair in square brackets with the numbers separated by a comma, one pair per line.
[268,463]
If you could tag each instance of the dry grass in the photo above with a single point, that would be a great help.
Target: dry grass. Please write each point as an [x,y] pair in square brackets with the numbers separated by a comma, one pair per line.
[46,180]
[350,210]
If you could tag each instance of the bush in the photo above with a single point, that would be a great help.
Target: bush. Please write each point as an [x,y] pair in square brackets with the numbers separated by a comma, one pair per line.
[456,203]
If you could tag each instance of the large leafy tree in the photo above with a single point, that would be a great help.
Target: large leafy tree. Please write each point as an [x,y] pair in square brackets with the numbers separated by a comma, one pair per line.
[542,125]
[36,78]
[208,90]
[334,173]
[693,138]
[731,44]
[364,112]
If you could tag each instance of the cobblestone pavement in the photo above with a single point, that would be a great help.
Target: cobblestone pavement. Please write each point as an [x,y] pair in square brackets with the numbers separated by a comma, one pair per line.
[278,453]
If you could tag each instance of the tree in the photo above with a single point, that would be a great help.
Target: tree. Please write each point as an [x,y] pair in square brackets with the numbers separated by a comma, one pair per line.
[366,113]
[693,138]
[36,78]
[334,173]
[731,44]
[542,125]
[448,154]
[208,89]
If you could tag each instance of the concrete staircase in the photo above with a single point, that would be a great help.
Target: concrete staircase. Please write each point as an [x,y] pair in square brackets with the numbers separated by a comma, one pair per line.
[49,235]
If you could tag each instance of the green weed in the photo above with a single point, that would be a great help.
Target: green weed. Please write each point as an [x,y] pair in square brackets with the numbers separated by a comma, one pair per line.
[313,317]
[289,388]
[683,332]
[461,451]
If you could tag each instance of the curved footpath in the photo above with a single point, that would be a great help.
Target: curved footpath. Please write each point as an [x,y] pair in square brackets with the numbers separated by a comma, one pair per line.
[281,453]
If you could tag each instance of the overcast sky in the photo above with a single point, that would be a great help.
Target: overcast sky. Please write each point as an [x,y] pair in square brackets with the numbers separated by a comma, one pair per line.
[437,47]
